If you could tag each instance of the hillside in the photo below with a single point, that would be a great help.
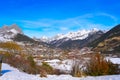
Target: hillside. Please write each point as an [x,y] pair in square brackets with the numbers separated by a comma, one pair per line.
[114,32]
[108,43]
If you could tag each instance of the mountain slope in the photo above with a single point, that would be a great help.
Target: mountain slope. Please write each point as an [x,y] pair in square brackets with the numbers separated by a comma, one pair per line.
[25,39]
[114,32]
[108,43]
[22,38]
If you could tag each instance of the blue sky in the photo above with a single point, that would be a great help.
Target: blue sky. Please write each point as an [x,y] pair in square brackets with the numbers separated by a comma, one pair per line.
[50,17]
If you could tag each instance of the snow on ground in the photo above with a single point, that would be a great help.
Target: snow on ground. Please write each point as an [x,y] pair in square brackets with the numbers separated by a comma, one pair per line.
[114,60]
[64,65]
[10,73]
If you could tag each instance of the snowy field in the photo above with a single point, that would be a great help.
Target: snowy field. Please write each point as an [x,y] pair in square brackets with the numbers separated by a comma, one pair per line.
[10,73]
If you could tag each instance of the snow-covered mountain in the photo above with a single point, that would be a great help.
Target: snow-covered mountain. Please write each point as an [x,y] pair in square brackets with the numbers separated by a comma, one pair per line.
[14,33]
[78,35]
[8,32]
[77,39]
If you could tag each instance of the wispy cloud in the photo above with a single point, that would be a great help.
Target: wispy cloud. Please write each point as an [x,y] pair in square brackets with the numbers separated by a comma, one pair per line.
[108,15]
[87,21]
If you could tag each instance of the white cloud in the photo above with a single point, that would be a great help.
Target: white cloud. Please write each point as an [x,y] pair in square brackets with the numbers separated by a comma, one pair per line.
[71,24]
[63,28]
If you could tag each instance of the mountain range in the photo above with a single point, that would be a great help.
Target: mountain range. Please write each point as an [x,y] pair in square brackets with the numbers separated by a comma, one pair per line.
[99,40]
[77,39]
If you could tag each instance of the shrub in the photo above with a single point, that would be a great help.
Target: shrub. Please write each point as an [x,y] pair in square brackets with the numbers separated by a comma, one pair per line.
[77,70]
[31,60]
[43,73]
[98,65]
[45,69]
[10,47]
[23,64]
[48,69]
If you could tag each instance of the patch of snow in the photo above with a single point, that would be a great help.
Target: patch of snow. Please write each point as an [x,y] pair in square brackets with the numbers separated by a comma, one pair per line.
[14,31]
[2,39]
[53,61]
[114,60]
[65,65]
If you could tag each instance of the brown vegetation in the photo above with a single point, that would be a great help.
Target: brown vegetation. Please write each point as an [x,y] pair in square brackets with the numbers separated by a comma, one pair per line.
[98,65]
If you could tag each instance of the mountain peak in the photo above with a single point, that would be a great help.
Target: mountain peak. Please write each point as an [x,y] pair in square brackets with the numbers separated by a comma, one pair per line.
[17,28]
[14,28]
